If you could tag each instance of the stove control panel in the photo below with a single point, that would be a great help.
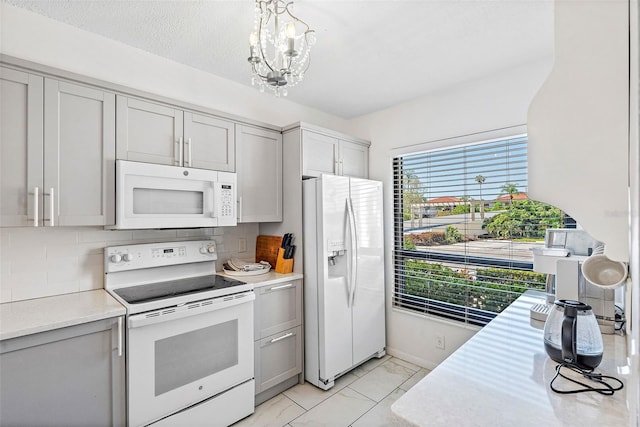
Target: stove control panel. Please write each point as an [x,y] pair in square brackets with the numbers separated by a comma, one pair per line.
[134,257]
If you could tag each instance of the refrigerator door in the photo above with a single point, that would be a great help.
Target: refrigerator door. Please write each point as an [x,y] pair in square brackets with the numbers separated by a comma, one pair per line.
[334,313]
[368,318]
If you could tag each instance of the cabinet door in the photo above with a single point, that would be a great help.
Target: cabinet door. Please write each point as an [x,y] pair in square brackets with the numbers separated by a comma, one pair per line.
[79,129]
[21,147]
[319,154]
[209,143]
[277,307]
[354,159]
[149,132]
[72,376]
[259,168]
[278,358]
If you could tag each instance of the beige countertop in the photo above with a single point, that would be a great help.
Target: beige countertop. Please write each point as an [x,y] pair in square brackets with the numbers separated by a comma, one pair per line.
[500,377]
[44,314]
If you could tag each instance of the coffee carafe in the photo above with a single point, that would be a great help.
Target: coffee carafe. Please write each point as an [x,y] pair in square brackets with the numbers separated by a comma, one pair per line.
[572,335]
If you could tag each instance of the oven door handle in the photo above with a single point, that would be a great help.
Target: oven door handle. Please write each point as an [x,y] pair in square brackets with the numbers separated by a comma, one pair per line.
[188,310]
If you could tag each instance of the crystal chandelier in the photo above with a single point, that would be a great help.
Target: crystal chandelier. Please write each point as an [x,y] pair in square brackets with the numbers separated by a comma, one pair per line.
[279,46]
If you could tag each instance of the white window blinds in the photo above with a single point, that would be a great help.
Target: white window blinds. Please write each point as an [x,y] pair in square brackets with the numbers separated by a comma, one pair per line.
[464,227]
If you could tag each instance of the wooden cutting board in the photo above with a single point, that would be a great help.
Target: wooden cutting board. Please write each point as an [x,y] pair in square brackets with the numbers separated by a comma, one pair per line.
[267,249]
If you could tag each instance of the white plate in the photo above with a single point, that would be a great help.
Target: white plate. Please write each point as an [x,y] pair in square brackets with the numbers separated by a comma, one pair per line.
[246,273]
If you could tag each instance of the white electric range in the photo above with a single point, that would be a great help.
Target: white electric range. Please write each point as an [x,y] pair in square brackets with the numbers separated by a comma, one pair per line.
[189,334]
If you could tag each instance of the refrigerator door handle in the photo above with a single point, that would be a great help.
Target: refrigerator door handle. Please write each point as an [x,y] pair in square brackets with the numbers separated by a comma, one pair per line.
[354,252]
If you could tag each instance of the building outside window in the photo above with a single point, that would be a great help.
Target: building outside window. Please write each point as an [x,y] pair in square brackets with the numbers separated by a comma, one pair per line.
[464,228]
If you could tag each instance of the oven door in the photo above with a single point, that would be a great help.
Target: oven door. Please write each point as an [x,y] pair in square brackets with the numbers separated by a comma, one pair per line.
[180,356]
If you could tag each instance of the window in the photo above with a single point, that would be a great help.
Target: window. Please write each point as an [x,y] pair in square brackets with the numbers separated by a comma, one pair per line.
[464,229]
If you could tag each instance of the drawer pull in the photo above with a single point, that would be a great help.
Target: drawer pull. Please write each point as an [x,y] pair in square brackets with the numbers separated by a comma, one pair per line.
[275,288]
[282,337]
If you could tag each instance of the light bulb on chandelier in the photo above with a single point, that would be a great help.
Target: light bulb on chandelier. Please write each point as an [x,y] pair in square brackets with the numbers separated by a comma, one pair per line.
[279,52]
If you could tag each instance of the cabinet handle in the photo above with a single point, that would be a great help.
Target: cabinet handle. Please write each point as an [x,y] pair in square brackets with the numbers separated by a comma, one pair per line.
[36,196]
[341,167]
[120,336]
[188,163]
[275,288]
[180,151]
[282,337]
[336,168]
[52,207]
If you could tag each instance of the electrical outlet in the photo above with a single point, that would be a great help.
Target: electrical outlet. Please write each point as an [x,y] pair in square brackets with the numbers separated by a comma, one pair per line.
[440,341]
[242,245]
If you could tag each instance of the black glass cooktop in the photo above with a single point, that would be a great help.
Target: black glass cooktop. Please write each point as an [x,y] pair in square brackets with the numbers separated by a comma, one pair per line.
[175,288]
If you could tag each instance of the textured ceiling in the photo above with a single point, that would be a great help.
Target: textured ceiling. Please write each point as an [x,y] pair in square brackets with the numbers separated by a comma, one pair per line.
[369,55]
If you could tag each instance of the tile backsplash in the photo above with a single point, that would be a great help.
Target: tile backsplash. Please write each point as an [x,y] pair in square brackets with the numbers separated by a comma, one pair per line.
[40,262]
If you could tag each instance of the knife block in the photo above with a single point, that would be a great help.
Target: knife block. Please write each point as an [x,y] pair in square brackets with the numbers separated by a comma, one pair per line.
[283,265]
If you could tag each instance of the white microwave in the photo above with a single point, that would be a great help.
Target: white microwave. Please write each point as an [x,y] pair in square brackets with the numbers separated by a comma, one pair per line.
[159,196]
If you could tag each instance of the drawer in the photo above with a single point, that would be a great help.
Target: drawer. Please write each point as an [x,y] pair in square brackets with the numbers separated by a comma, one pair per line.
[277,307]
[278,358]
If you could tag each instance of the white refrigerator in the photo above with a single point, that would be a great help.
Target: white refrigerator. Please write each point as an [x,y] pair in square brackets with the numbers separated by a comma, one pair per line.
[343,276]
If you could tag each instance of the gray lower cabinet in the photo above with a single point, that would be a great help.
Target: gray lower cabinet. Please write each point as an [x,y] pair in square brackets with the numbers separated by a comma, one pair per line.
[278,337]
[72,376]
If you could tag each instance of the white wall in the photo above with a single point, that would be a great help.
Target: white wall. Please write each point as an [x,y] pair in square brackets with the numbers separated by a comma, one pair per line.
[492,103]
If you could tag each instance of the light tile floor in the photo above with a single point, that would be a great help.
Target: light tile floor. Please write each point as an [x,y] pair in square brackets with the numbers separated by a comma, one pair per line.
[360,398]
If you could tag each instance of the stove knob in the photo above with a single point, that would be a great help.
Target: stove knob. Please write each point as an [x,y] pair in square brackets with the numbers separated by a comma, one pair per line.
[127,257]
[211,249]
[116,258]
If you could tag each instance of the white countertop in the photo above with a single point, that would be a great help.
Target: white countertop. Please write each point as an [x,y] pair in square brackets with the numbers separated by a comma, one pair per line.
[269,278]
[44,314]
[500,377]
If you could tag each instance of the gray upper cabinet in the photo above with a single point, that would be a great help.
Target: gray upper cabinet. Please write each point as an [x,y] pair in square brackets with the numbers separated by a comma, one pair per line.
[335,155]
[156,133]
[58,151]
[209,142]
[79,153]
[21,147]
[354,159]
[259,168]
[73,376]
[320,154]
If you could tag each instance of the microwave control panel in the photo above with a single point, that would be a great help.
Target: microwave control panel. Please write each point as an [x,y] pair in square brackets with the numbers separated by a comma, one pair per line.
[225,198]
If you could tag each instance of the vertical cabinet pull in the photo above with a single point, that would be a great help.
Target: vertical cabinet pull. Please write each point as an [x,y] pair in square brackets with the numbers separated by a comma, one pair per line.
[176,153]
[120,336]
[188,162]
[181,152]
[36,197]
[52,207]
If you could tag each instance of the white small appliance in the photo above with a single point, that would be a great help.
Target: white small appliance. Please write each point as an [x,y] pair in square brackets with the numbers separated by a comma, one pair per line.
[344,276]
[562,258]
[189,334]
[160,196]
